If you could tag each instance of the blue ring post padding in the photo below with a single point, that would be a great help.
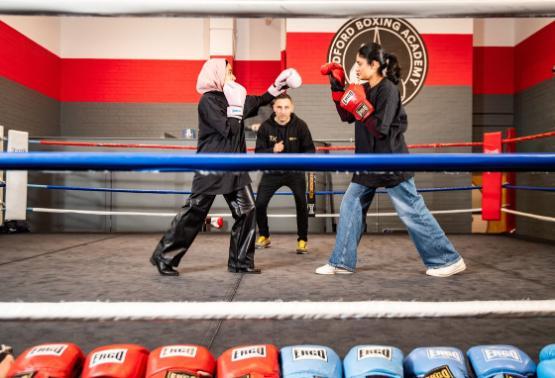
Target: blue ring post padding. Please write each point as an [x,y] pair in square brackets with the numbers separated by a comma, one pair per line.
[525,187]
[289,162]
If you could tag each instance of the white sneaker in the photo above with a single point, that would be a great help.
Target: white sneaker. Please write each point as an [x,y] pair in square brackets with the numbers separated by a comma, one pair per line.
[447,271]
[328,269]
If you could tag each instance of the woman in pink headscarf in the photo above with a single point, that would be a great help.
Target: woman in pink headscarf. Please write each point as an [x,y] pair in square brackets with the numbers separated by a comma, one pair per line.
[223,106]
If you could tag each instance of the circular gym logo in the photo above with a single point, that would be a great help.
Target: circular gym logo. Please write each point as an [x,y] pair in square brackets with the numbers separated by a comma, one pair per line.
[396,36]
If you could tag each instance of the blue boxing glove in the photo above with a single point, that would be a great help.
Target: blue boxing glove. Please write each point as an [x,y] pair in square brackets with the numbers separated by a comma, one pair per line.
[547,353]
[492,361]
[373,361]
[309,361]
[546,367]
[435,362]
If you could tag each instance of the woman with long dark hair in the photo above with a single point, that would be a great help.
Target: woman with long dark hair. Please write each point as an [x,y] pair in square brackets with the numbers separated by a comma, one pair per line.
[380,122]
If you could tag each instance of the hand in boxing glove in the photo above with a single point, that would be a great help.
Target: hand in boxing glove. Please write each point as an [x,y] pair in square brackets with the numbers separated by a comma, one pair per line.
[500,360]
[180,361]
[256,361]
[49,360]
[444,362]
[336,75]
[116,361]
[236,96]
[354,101]
[310,361]
[546,367]
[288,78]
[373,361]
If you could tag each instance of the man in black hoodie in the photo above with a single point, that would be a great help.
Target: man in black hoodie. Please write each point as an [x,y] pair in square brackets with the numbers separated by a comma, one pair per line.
[283,132]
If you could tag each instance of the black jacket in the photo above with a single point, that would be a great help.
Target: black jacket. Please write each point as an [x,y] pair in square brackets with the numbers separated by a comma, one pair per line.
[295,136]
[381,133]
[219,134]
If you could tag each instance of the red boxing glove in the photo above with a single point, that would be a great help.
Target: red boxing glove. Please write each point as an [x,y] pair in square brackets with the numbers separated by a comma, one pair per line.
[180,361]
[254,361]
[49,360]
[354,101]
[116,361]
[336,75]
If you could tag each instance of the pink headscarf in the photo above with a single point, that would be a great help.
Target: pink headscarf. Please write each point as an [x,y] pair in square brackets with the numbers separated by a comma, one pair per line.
[211,76]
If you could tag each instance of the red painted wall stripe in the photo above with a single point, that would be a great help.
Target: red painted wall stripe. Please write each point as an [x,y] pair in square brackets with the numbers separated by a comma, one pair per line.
[535,58]
[450,57]
[122,80]
[306,52]
[508,70]
[159,81]
[493,70]
[257,75]
[27,63]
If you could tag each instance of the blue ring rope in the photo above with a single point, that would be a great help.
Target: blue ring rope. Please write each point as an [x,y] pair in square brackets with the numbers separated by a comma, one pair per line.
[318,193]
[115,161]
[167,191]
[526,187]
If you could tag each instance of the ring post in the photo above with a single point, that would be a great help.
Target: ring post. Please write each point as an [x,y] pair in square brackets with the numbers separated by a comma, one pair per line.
[491,181]
[16,181]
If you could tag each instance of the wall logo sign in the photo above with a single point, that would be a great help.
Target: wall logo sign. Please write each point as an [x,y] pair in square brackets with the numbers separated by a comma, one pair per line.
[396,36]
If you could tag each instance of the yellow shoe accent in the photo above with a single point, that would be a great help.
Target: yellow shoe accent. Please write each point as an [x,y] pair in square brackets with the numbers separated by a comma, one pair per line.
[302,247]
[263,242]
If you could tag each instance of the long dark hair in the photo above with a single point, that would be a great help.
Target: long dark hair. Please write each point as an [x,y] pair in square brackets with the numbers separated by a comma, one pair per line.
[389,64]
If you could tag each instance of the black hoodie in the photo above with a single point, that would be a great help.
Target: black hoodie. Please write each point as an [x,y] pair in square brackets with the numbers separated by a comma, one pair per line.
[382,133]
[295,136]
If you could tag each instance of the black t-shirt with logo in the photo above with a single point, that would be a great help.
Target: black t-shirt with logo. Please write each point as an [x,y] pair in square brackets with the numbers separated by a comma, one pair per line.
[381,133]
[295,135]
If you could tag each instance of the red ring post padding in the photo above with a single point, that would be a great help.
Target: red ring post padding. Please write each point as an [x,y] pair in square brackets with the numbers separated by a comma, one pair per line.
[491,181]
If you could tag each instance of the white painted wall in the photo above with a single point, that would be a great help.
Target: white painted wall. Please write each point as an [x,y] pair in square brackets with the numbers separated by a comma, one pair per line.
[424,26]
[506,31]
[133,38]
[259,39]
[494,32]
[222,36]
[313,25]
[43,30]
[525,27]
[247,39]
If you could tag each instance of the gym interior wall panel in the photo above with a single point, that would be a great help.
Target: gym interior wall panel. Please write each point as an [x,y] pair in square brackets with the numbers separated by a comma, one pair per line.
[26,110]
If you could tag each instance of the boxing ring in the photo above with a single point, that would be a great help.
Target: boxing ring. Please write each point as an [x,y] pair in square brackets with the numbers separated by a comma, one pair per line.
[252,299]
[96,288]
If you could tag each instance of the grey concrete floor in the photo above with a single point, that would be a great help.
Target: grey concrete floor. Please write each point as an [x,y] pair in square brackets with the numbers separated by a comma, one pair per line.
[114,267]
